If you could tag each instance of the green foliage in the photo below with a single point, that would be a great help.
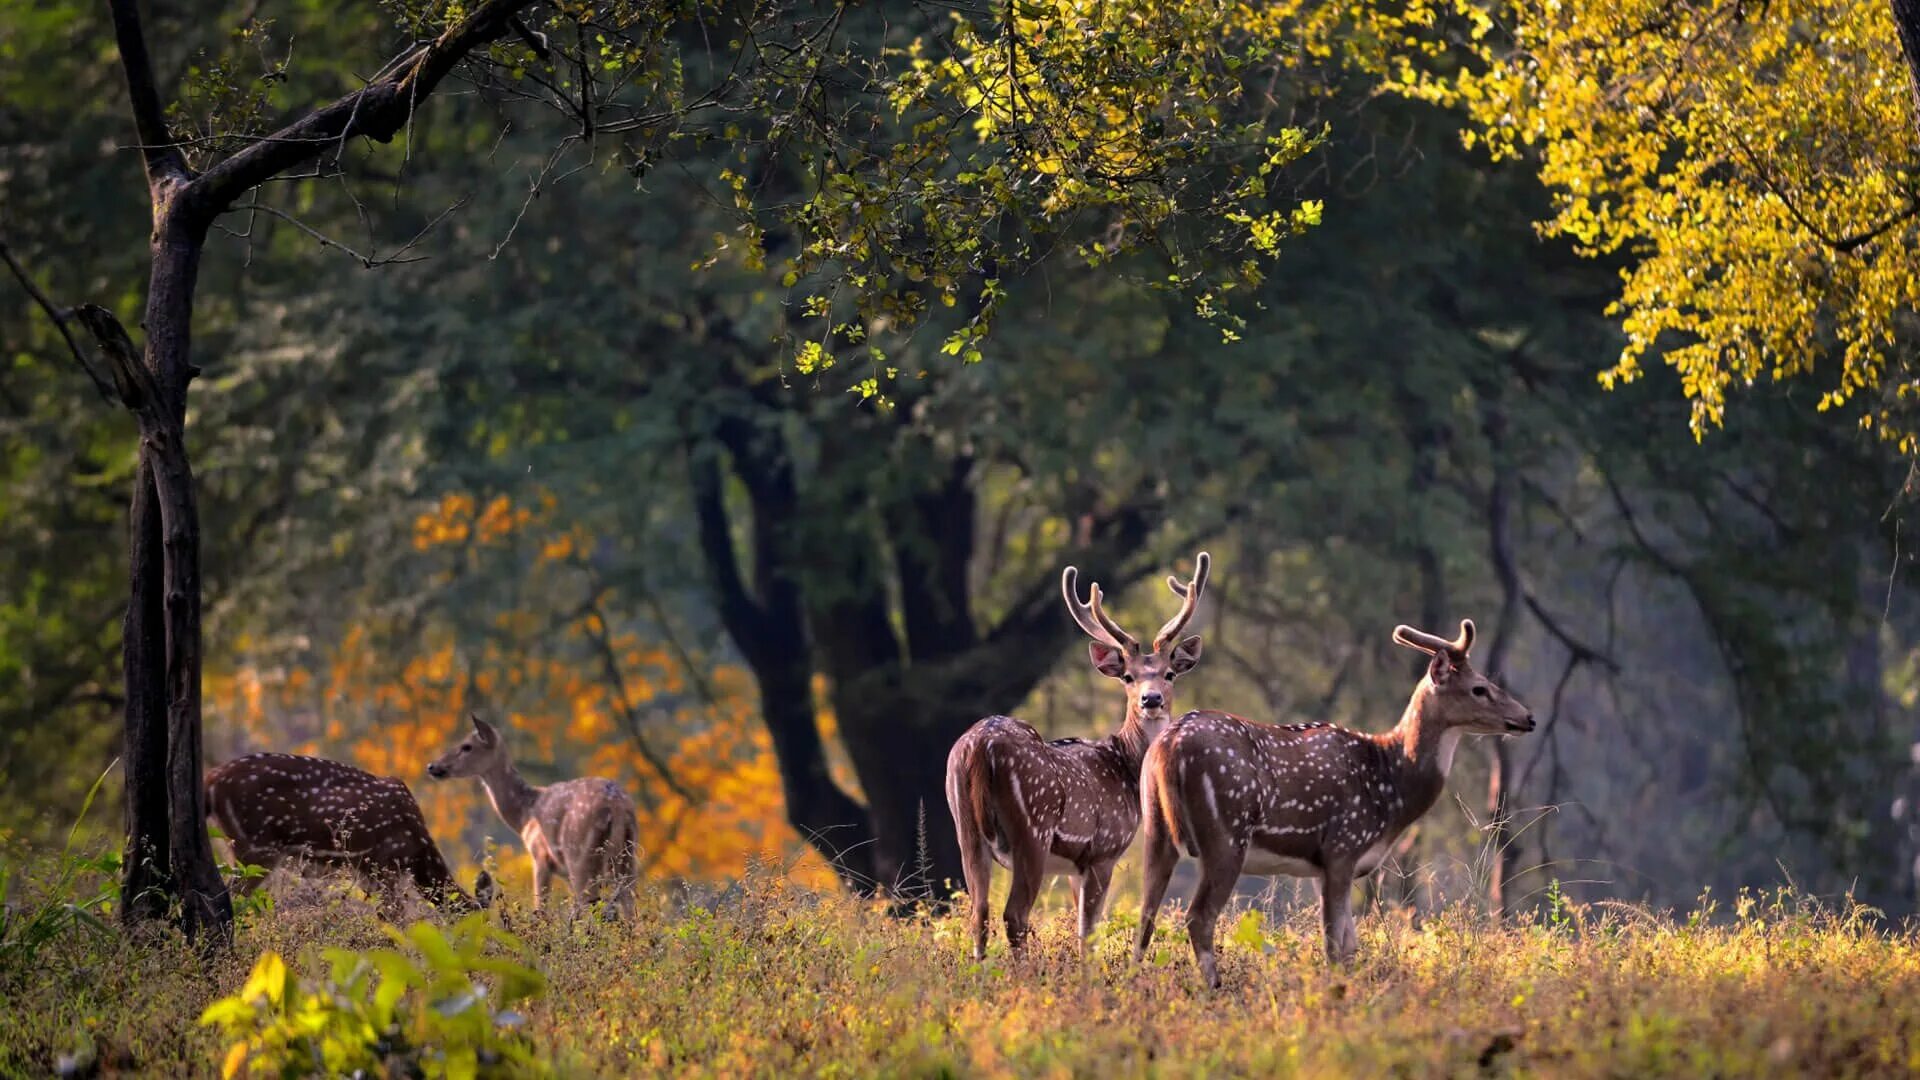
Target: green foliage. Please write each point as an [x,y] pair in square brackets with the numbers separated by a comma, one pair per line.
[441,1008]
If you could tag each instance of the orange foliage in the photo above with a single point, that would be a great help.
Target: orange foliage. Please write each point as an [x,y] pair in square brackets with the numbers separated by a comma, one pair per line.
[568,716]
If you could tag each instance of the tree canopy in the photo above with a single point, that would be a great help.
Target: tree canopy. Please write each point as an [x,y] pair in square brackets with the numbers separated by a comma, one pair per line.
[1751,168]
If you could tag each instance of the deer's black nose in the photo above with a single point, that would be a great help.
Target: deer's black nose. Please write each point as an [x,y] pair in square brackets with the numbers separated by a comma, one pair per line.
[436,770]
[1151,699]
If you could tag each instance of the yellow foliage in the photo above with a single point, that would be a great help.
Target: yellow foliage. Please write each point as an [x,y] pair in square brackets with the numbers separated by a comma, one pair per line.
[1755,164]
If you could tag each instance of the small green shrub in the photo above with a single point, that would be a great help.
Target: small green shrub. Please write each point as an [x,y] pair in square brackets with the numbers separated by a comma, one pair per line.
[439,1005]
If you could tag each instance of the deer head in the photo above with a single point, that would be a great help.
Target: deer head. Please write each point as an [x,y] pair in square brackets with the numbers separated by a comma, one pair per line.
[1453,694]
[1147,672]
[477,753]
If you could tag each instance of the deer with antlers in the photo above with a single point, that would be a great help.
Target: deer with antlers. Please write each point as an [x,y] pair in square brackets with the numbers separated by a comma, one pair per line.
[1306,800]
[280,808]
[1068,806]
[584,830]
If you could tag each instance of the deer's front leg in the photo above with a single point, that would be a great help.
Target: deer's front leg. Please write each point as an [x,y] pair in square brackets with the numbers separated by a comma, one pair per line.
[1092,901]
[1336,912]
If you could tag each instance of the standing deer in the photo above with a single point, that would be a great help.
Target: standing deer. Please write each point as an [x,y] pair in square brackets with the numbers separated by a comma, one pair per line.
[583,829]
[276,807]
[1308,800]
[1068,806]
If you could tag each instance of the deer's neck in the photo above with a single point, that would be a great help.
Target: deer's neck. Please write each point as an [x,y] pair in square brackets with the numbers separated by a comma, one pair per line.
[1129,743]
[512,797]
[1421,752]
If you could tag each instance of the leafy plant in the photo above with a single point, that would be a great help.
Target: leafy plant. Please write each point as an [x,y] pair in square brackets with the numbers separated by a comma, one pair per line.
[439,1005]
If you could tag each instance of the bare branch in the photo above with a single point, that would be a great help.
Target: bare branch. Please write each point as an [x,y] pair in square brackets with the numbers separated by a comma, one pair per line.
[60,318]
[377,111]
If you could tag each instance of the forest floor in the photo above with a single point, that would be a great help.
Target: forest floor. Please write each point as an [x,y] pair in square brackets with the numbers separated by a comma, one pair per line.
[768,979]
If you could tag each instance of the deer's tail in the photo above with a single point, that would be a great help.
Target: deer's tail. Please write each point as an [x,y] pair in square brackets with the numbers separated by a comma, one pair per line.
[969,776]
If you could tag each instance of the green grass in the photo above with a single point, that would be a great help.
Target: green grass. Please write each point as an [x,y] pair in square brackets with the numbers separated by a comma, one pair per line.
[777,981]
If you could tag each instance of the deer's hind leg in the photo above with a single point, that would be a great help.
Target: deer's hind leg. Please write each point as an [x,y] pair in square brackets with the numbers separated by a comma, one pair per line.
[1161,857]
[1029,858]
[1220,865]
[976,860]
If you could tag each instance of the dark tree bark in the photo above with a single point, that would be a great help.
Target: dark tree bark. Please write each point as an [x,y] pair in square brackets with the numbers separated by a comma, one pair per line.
[819,599]
[147,878]
[771,633]
[1906,22]
[169,859]
[1507,570]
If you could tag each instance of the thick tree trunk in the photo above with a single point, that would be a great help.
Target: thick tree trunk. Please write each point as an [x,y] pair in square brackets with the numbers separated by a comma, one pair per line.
[765,620]
[900,753]
[826,816]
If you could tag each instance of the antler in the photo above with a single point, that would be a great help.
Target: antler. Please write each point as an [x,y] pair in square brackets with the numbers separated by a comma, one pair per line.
[1091,617]
[1190,593]
[1433,643]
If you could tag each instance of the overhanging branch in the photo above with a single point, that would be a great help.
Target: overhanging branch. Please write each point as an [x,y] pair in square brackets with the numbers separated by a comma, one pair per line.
[377,111]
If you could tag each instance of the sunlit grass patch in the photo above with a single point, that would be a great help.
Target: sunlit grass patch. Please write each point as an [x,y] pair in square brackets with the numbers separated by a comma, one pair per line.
[773,979]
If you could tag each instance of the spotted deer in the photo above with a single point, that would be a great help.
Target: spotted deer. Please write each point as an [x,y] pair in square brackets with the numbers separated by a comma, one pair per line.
[284,808]
[1306,800]
[584,829]
[1068,806]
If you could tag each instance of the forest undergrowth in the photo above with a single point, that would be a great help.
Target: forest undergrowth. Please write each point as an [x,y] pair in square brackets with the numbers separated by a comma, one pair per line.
[769,978]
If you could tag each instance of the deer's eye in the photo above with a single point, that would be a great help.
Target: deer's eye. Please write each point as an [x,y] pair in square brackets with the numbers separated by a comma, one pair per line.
[1128,677]
[1479,691]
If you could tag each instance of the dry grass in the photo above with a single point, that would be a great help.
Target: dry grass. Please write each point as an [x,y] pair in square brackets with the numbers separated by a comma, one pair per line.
[773,980]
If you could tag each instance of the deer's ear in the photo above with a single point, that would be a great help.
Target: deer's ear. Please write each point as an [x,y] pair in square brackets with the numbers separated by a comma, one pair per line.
[486,731]
[1107,660]
[1442,668]
[1185,655]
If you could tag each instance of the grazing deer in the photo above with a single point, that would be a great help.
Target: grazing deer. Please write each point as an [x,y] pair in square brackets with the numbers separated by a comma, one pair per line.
[583,829]
[1308,800]
[276,807]
[1068,806]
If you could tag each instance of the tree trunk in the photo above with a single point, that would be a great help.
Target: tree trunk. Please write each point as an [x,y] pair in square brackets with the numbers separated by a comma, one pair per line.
[1493,422]
[163,618]
[900,754]
[766,622]
[824,815]
[146,882]
[1906,23]
[162,646]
